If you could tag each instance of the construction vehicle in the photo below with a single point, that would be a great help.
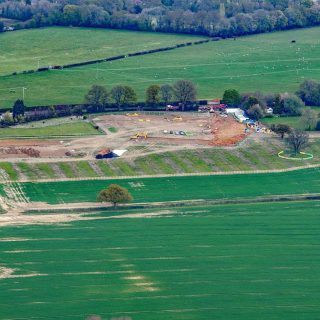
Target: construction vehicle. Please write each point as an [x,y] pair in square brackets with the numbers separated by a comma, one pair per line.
[132,114]
[139,135]
[178,118]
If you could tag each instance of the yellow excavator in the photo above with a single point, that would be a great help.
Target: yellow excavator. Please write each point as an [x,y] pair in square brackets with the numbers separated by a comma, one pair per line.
[139,135]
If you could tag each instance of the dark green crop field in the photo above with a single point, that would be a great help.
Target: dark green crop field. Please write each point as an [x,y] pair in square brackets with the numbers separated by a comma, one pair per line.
[240,262]
[181,188]
[267,62]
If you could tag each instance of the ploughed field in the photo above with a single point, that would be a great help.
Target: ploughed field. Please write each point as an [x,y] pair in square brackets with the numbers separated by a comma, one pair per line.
[252,261]
[267,62]
[178,188]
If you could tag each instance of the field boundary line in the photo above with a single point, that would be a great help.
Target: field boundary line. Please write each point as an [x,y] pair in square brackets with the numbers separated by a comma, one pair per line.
[216,173]
[200,41]
[85,207]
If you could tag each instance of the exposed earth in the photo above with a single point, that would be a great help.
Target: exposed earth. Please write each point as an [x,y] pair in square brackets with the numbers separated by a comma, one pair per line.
[165,132]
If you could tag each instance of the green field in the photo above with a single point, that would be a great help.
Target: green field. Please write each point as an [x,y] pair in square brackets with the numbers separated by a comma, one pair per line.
[61,130]
[180,188]
[58,45]
[267,62]
[224,262]
[294,122]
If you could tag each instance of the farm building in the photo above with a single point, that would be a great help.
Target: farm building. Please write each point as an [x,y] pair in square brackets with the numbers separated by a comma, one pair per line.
[238,113]
[213,105]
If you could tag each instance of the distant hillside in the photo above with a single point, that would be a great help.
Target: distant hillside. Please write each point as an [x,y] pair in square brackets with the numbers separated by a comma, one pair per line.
[223,18]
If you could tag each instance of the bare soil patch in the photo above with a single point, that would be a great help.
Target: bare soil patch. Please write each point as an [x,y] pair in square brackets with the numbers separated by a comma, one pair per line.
[164,132]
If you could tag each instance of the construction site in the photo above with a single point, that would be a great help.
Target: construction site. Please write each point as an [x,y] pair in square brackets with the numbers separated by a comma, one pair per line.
[151,131]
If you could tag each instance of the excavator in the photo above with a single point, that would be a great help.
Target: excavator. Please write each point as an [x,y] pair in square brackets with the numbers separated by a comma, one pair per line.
[139,135]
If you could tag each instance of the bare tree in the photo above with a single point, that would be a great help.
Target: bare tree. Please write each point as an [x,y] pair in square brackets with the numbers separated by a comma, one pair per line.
[118,93]
[166,93]
[185,91]
[297,140]
[152,94]
[97,96]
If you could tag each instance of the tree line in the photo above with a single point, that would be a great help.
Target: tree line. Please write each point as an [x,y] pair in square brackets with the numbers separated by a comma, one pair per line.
[99,99]
[182,91]
[182,94]
[222,18]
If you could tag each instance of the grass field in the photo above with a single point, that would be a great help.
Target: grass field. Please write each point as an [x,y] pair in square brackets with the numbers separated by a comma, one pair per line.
[179,188]
[267,62]
[294,122]
[240,262]
[61,130]
[58,45]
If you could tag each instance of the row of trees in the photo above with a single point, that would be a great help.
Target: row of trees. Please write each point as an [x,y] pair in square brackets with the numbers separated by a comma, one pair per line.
[99,97]
[210,17]
[182,91]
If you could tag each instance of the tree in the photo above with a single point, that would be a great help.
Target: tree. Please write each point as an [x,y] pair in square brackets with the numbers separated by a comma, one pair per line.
[185,91]
[166,93]
[255,112]
[248,102]
[297,140]
[309,92]
[114,194]
[291,105]
[117,94]
[281,129]
[130,95]
[152,94]
[97,97]
[309,119]
[7,118]
[122,95]
[277,105]
[77,111]
[18,109]
[231,97]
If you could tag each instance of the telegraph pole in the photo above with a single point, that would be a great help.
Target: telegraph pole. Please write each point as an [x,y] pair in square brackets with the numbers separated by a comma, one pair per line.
[23,89]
